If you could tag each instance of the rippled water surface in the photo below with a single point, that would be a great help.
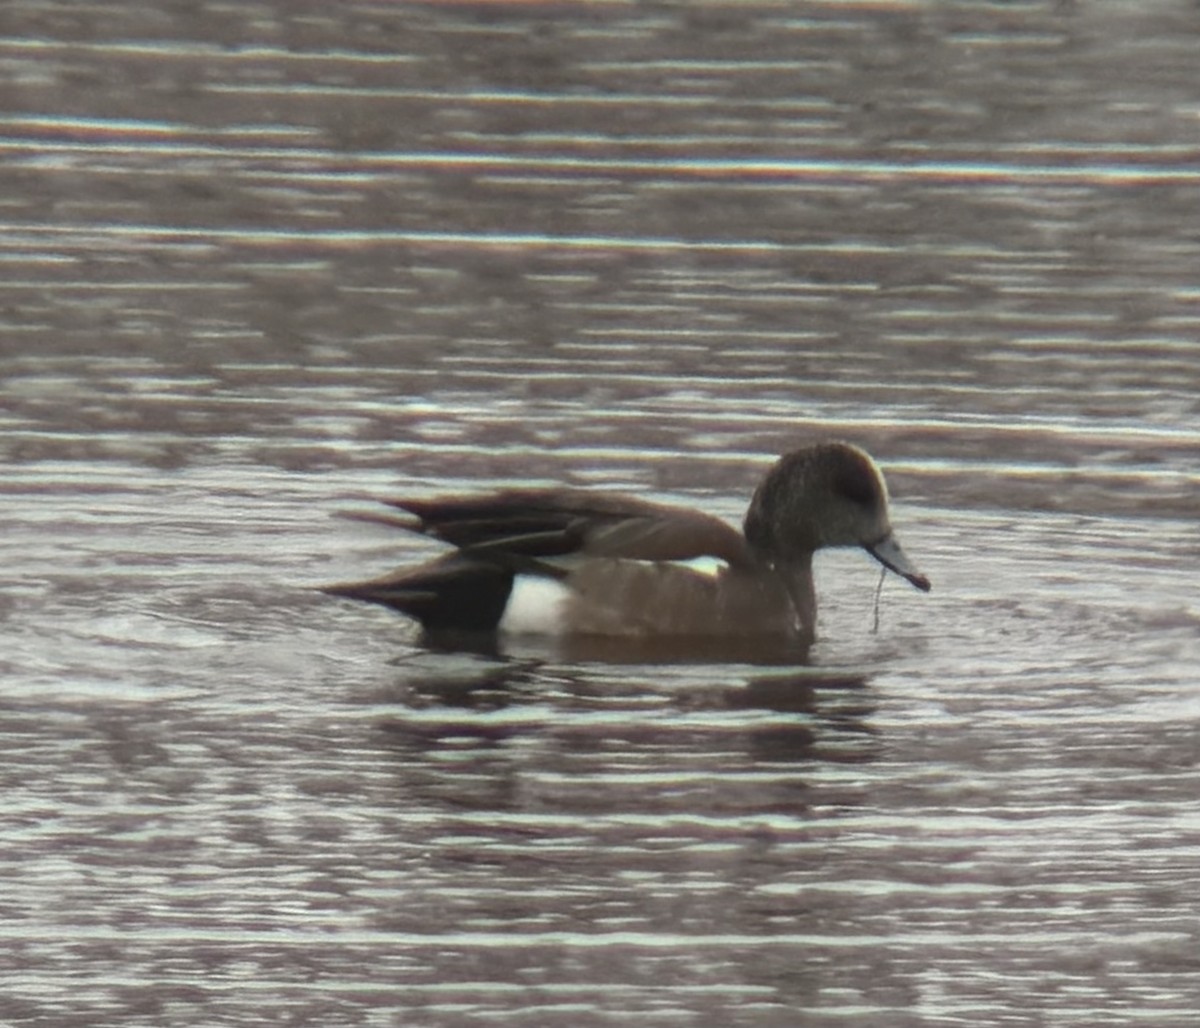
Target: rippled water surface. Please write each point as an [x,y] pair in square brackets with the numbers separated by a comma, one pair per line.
[264,260]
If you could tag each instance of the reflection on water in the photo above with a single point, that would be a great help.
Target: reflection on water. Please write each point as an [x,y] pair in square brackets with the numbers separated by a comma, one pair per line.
[511,699]
[610,650]
[259,264]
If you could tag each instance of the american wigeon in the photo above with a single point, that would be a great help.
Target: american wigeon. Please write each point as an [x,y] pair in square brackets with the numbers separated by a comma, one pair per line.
[576,562]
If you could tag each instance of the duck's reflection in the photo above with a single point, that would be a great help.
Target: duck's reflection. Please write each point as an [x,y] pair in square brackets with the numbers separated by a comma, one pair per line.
[763,651]
[632,714]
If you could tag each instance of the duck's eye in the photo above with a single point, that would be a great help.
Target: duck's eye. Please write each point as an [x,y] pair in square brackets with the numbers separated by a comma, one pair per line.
[857,484]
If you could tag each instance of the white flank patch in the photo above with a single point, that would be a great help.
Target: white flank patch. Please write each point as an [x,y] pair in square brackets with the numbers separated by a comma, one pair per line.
[711,566]
[536,606]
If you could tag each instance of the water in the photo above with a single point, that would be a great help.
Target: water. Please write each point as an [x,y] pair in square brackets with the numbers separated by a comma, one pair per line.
[262,263]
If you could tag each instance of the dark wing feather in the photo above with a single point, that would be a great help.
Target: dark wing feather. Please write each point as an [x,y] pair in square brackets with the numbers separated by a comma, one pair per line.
[558,522]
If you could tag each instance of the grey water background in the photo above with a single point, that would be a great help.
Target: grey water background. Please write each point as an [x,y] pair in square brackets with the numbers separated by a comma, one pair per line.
[263,260]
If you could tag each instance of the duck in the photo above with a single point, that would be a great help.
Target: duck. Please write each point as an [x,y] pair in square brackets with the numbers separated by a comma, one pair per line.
[577,562]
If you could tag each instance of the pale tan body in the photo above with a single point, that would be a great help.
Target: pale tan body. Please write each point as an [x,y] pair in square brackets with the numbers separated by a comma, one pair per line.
[626,597]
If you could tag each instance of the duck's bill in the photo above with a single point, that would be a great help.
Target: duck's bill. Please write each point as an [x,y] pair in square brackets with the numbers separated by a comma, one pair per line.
[888,552]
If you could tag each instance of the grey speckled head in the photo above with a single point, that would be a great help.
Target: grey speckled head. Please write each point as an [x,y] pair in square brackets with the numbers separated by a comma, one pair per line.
[830,494]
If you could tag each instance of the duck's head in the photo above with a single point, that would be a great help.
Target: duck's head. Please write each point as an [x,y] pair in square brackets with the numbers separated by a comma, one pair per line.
[829,494]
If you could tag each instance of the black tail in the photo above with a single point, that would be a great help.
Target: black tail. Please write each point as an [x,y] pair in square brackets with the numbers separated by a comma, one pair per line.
[454,592]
